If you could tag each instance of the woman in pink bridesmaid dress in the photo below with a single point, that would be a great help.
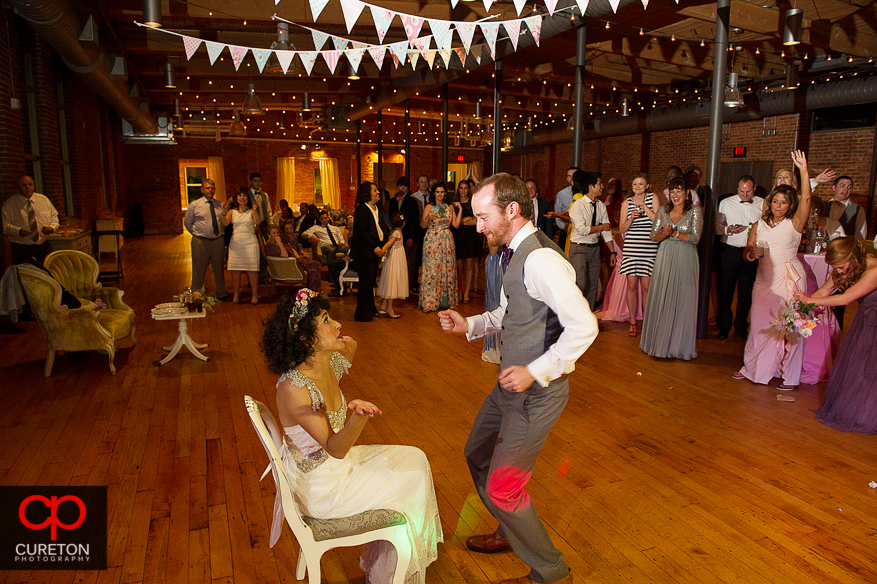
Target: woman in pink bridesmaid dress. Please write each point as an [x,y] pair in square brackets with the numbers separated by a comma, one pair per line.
[774,242]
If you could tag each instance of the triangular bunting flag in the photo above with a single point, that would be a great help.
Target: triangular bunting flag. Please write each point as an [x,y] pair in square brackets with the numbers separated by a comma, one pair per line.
[462,54]
[355,57]
[261,56]
[317,7]
[422,45]
[213,50]
[535,24]
[487,4]
[430,57]
[583,5]
[351,9]
[308,58]
[513,28]
[340,43]
[614,4]
[331,58]
[645,4]
[446,56]
[191,44]
[237,55]
[519,5]
[441,31]
[489,29]
[466,30]
[285,58]
[454,3]
[359,45]
[412,25]
[413,56]
[383,18]
[377,55]
[320,39]
[551,5]
[400,52]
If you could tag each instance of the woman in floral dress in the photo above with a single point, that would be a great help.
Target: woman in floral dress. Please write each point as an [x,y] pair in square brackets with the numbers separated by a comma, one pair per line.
[438,277]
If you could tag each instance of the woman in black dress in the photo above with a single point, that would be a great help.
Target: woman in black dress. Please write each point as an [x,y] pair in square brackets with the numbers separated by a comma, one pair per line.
[467,240]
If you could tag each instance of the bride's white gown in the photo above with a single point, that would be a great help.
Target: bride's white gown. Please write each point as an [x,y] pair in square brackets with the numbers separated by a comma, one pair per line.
[369,477]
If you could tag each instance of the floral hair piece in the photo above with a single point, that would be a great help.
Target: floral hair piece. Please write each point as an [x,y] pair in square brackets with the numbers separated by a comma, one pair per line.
[301,307]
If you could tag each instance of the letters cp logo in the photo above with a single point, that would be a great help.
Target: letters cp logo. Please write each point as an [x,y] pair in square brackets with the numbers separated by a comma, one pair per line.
[52,505]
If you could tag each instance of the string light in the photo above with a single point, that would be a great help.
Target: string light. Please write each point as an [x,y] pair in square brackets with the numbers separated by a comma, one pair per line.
[702,43]
[673,37]
[607,24]
[641,32]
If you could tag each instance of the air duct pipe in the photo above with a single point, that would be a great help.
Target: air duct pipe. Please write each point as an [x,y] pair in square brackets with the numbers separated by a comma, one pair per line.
[58,23]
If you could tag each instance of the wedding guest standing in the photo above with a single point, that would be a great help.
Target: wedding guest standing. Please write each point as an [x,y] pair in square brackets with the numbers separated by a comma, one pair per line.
[851,393]
[243,249]
[562,203]
[670,317]
[366,249]
[29,218]
[438,278]
[589,222]
[259,200]
[639,251]
[205,220]
[406,204]
[774,241]
[468,242]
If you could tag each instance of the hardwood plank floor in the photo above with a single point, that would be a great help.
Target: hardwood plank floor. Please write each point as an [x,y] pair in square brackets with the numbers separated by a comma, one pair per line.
[657,472]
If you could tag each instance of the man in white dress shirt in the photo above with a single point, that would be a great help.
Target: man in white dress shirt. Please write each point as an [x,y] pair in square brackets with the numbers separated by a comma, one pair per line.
[590,221]
[29,218]
[205,220]
[850,215]
[736,216]
[328,237]
[562,202]
[545,326]
[259,200]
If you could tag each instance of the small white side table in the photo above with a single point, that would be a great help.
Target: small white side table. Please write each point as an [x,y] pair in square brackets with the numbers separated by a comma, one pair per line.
[183,339]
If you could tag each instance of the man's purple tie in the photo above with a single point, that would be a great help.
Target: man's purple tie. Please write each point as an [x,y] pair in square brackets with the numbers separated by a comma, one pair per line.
[506,257]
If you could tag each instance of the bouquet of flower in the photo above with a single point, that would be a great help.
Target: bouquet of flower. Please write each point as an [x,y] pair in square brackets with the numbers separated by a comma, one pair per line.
[195,297]
[797,317]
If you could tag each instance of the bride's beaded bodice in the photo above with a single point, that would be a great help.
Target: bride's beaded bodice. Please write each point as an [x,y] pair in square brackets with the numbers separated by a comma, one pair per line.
[307,452]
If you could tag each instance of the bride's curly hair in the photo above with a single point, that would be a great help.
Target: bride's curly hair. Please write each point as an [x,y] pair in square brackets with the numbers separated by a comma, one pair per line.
[284,348]
[840,251]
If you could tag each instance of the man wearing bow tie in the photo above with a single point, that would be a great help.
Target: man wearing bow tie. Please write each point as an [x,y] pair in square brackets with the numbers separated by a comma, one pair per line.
[545,325]
[736,215]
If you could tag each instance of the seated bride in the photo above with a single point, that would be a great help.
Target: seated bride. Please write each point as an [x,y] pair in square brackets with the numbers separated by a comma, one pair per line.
[331,477]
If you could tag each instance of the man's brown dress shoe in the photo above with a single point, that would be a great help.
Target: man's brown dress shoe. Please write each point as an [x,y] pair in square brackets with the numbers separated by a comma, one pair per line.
[488,544]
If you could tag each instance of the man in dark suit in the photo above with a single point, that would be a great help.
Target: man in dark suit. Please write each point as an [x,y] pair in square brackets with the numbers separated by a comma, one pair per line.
[366,248]
[538,209]
[404,203]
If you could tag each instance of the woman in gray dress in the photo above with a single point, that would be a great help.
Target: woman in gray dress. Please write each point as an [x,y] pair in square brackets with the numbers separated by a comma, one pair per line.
[669,321]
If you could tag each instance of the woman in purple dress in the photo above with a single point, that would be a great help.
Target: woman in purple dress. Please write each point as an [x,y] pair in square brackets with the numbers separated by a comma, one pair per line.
[851,394]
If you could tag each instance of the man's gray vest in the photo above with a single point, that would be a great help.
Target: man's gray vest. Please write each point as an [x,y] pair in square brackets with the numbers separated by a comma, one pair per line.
[529,327]
[847,219]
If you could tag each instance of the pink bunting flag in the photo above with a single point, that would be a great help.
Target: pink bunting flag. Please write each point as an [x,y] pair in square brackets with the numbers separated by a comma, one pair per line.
[237,55]
[535,25]
[377,55]
[213,50]
[383,19]
[490,29]
[308,59]
[191,44]
[331,58]
[351,9]
[355,57]
[320,39]
[551,5]
[285,58]
[466,30]
[422,45]
[412,25]
[513,28]
[317,7]
[340,43]
[461,53]
[446,56]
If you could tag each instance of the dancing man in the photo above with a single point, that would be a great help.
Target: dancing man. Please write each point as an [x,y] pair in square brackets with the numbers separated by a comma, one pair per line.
[546,325]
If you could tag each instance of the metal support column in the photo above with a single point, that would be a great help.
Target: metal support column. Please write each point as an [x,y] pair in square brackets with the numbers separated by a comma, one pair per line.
[445,130]
[408,139]
[579,98]
[358,153]
[714,164]
[497,115]
[380,178]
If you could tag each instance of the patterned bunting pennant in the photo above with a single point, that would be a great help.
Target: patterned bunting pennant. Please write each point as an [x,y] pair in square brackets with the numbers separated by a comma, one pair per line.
[383,18]
[535,24]
[487,4]
[446,56]
[285,58]
[320,39]
[412,57]
[400,51]
[551,5]
[513,28]
[331,58]
[466,30]
[462,54]
[519,5]
[645,4]
[308,58]
[351,9]
[261,56]
[412,25]
[191,45]
[430,58]
[317,7]
[359,45]
[441,31]
[422,45]
[340,43]
[213,50]
[237,55]
[583,5]
[355,57]
[377,55]
[490,29]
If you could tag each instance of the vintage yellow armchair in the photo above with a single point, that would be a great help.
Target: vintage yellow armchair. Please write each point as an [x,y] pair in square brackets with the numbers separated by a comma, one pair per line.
[78,329]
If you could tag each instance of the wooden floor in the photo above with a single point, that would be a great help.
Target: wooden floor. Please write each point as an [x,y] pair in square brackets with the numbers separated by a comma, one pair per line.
[658,471]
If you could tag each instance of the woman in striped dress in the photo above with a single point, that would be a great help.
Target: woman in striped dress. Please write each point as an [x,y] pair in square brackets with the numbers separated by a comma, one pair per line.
[638,254]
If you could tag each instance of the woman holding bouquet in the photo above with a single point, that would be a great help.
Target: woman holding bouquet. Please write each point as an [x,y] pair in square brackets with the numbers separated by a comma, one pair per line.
[851,395]
[774,242]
